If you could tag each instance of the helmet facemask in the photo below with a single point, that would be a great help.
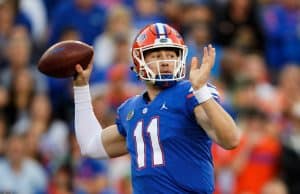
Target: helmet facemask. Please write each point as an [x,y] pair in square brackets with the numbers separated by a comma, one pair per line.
[145,71]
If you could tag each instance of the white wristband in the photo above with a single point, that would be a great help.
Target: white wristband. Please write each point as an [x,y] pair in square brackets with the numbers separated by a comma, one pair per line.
[82,97]
[203,94]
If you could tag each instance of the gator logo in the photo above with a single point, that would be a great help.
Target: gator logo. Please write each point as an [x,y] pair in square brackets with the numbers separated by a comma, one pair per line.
[130,115]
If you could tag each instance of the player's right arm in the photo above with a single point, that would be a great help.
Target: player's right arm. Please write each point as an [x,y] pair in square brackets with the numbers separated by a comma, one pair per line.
[93,140]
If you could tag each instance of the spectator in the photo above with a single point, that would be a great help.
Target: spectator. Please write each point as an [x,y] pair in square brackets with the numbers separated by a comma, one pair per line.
[122,60]
[238,24]
[291,150]
[170,9]
[20,98]
[198,32]
[61,182]
[288,87]
[119,25]
[36,12]
[10,16]
[90,175]
[32,140]
[84,15]
[18,53]
[108,4]
[231,65]
[255,68]
[244,96]
[53,133]
[274,187]
[3,134]
[119,88]
[120,175]
[258,152]
[19,174]
[146,12]
[3,98]
[51,6]
[281,33]
[102,108]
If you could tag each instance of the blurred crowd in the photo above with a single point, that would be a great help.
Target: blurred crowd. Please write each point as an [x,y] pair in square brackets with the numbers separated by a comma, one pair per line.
[257,73]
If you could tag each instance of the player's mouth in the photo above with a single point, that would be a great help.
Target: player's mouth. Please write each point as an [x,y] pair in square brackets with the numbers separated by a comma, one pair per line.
[165,72]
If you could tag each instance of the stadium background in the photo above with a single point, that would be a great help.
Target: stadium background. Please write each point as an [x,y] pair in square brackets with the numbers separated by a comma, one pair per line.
[256,72]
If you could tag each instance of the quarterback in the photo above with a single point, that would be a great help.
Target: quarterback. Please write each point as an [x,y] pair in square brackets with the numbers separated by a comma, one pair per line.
[168,129]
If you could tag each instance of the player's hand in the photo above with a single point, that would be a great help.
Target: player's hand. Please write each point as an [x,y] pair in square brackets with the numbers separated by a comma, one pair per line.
[200,76]
[83,75]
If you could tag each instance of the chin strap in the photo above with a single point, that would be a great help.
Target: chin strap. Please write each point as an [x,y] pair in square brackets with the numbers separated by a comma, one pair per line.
[165,84]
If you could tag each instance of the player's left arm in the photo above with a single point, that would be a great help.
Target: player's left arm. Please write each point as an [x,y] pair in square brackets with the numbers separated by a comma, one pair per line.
[217,123]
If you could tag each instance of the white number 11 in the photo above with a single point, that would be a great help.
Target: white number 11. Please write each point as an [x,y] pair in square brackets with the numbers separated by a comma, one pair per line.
[152,130]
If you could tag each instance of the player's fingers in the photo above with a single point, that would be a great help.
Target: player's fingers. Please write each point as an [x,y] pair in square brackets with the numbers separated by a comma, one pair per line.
[205,52]
[205,55]
[90,65]
[78,68]
[209,47]
[194,63]
[211,50]
[205,66]
[212,56]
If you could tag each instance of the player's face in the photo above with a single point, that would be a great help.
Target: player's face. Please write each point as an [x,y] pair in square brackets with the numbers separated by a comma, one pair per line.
[161,61]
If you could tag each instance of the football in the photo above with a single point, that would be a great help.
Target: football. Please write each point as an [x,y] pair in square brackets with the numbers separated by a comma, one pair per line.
[60,59]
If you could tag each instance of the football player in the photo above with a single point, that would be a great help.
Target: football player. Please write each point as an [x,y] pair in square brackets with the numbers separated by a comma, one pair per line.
[167,130]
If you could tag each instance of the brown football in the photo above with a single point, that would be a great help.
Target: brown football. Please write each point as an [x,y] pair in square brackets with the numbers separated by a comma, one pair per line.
[60,59]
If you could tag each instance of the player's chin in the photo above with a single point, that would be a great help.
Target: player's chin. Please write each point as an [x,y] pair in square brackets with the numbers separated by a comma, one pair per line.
[166,74]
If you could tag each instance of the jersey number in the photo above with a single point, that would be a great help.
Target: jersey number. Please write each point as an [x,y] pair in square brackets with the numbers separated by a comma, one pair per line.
[152,131]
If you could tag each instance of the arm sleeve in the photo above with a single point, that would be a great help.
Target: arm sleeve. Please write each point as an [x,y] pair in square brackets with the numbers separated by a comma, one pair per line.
[87,128]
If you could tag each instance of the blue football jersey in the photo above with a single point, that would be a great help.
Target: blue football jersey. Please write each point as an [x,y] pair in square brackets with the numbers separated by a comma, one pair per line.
[170,152]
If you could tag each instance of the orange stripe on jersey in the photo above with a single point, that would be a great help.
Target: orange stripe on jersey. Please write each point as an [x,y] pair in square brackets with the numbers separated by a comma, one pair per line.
[190,95]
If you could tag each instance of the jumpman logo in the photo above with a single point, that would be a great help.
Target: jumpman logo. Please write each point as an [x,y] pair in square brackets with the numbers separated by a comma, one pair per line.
[163,106]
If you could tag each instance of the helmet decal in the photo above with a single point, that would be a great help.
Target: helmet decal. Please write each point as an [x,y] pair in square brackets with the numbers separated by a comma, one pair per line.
[161,30]
[141,38]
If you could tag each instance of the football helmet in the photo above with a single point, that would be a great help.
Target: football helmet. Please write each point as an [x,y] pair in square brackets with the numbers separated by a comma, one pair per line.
[156,36]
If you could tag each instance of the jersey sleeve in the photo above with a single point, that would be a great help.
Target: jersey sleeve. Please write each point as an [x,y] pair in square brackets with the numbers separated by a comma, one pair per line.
[191,101]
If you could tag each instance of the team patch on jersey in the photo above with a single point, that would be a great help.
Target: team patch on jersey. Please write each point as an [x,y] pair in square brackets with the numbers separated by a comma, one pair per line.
[130,115]
[145,110]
